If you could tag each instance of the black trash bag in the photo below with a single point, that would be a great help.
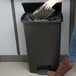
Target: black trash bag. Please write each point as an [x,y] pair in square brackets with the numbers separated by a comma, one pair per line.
[55,17]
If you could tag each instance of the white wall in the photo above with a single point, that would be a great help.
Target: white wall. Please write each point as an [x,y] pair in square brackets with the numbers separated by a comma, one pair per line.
[64,29]
[7,36]
[19,11]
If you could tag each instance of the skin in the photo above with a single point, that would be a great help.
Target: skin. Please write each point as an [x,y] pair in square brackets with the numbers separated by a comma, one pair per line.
[50,3]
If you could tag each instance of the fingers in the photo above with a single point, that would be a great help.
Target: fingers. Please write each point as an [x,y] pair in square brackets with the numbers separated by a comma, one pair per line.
[46,6]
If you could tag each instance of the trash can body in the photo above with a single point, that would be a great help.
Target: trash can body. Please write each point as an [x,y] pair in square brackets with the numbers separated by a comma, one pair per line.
[43,44]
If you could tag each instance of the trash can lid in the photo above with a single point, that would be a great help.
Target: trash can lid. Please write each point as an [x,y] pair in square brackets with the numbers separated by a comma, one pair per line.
[29,8]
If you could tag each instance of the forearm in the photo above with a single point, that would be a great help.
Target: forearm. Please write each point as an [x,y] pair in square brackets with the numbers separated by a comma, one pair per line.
[58,1]
[55,1]
[50,3]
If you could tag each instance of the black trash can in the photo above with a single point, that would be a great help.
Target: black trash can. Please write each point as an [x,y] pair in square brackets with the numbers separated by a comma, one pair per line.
[42,39]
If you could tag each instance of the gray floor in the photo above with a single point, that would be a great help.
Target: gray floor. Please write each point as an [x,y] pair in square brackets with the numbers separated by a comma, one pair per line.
[21,69]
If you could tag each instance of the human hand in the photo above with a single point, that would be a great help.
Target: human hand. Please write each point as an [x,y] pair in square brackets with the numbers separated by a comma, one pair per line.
[50,3]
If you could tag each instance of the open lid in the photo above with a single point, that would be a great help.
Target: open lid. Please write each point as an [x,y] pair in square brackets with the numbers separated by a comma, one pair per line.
[31,7]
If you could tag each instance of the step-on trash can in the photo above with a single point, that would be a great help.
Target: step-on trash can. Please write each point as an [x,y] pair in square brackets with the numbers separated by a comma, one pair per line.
[42,38]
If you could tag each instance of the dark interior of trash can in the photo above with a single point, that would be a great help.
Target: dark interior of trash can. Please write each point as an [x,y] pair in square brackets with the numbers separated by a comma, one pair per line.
[29,8]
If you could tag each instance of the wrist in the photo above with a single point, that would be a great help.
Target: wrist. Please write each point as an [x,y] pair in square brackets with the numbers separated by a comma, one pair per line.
[59,1]
[55,1]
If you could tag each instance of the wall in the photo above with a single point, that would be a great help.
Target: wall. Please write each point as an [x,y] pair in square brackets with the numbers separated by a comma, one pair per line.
[65,27]
[7,33]
[7,36]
